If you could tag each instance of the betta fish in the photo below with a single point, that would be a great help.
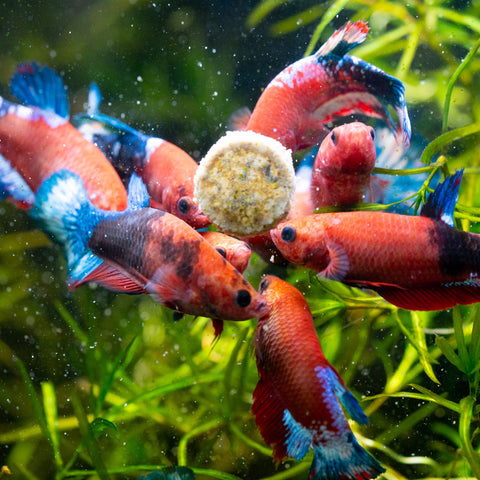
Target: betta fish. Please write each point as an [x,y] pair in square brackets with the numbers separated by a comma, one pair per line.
[343,166]
[142,250]
[414,262]
[37,141]
[166,169]
[297,401]
[235,251]
[297,104]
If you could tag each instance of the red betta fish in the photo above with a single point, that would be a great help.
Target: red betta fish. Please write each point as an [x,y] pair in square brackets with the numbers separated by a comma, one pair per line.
[415,262]
[38,142]
[166,169]
[298,103]
[297,400]
[235,251]
[142,250]
[343,166]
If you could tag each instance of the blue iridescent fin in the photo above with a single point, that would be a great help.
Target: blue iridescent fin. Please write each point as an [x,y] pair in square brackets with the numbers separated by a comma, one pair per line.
[170,473]
[13,186]
[299,439]
[441,203]
[346,398]
[64,211]
[124,146]
[138,196]
[94,99]
[39,86]
[345,459]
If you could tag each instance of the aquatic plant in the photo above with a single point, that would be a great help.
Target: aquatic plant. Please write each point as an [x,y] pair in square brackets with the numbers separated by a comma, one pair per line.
[98,385]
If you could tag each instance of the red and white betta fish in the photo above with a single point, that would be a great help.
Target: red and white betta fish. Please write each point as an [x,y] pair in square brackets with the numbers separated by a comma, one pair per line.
[415,262]
[297,104]
[297,401]
[36,140]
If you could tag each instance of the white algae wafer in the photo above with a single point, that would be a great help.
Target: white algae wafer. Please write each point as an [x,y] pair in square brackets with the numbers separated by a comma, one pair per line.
[245,183]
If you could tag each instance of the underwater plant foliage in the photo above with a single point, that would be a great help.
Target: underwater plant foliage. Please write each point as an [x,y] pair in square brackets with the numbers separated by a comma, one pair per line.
[100,385]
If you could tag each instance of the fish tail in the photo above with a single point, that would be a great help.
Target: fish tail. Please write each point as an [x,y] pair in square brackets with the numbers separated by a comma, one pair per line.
[344,39]
[122,144]
[13,186]
[441,203]
[348,461]
[63,210]
[39,86]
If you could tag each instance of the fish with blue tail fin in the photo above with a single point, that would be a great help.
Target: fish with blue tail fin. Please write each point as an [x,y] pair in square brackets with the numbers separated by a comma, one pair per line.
[170,473]
[38,141]
[142,250]
[297,104]
[298,400]
[167,170]
[414,262]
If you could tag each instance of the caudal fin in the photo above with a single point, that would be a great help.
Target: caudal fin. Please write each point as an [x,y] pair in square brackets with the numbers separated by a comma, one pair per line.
[39,86]
[346,460]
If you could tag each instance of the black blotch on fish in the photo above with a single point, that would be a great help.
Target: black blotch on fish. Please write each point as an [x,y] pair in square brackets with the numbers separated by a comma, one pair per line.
[458,251]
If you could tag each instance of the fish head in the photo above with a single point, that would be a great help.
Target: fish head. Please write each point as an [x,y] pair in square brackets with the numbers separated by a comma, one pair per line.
[302,241]
[348,149]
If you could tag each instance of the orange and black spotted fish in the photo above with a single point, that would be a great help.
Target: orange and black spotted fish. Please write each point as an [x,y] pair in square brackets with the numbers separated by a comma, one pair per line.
[297,104]
[235,251]
[297,400]
[36,142]
[415,262]
[166,169]
[343,166]
[143,250]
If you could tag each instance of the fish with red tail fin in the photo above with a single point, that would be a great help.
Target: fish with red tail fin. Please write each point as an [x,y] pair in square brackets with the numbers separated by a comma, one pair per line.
[343,166]
[142,250]
[415,262]
[298,103]
[38,141]
[298,400]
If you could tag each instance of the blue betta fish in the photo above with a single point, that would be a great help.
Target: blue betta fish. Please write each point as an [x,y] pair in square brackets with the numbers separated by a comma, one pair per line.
[142,250]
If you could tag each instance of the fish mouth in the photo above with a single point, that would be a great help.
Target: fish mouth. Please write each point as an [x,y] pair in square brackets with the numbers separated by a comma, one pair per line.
[262,309]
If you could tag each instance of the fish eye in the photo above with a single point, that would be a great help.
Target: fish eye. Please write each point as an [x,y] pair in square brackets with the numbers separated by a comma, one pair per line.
[264,284]
[221,251]
[288,234]
[372,134]
[334,138]
[243,298]
[183,206]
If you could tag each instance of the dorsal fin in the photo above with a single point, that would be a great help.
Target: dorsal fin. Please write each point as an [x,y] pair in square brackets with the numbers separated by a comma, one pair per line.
[39,86]
[441,203]
[344,39]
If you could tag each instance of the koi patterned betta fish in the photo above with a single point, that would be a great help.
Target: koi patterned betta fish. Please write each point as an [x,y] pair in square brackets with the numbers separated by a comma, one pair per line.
[36,141]
[166,169]
[142,250]
[298,103]
[415,262]
[297,399]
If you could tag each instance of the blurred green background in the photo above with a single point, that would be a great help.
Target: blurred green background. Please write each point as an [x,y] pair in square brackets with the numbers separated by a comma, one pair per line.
[107,385]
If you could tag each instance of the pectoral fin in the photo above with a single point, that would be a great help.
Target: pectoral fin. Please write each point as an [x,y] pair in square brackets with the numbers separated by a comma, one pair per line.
[339,264]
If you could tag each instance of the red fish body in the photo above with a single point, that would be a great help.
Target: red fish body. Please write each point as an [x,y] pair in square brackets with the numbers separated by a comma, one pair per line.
[298,103]
[234,251]
[297,399]
[343,166]
[414,262]
[143,250]
[38,143]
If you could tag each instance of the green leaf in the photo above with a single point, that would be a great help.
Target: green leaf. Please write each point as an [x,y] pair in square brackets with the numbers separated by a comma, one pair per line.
[100,424]
[449,352]
[50,407]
